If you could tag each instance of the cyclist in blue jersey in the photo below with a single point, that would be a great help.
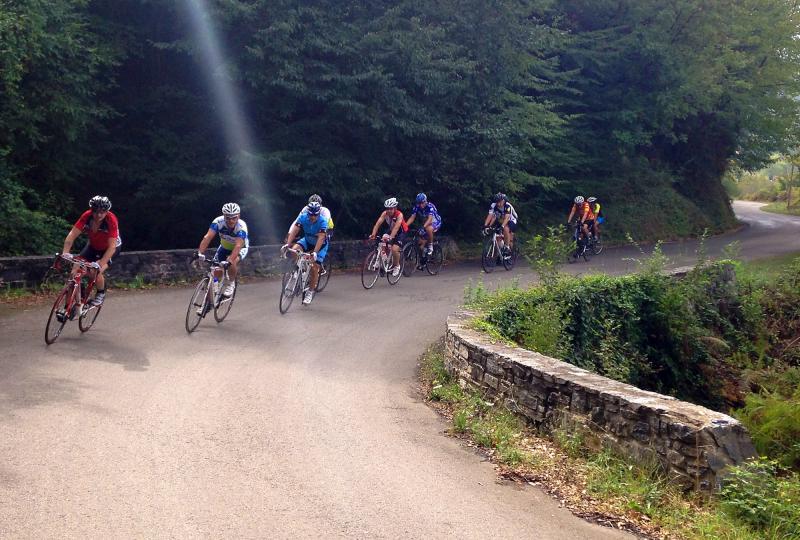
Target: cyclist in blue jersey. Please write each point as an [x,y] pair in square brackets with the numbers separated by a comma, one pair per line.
[233,241]
[431,220]
[313,232]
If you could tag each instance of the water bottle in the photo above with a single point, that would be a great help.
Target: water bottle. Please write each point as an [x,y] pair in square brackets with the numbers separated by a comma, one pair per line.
[216,286]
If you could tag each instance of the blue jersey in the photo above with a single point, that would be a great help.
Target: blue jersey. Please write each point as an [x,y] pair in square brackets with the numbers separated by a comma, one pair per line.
[311,230]
[228,236]
[429,210]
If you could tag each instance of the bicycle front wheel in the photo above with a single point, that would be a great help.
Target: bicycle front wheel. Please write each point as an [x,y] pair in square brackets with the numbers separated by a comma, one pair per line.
[289,284]
[409,256]
[87,318]
[223,304]
[435,260]
[58,315]
[324,276]
[198,305]
[488,255]
[508,260]
[370,270]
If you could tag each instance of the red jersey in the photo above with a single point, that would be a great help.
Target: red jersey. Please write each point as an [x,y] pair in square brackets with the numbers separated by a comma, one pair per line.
[390,221]
[109,228]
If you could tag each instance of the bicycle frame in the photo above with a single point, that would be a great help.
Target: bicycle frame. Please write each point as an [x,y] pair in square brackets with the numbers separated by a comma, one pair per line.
[80,268]
[303,263]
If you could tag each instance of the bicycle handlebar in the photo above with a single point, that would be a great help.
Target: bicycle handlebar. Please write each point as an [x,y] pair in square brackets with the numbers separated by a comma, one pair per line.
[78,260]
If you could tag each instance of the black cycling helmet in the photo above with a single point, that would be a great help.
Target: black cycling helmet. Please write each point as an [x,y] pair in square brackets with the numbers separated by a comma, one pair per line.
[99,202]
[314,208]
[499,196]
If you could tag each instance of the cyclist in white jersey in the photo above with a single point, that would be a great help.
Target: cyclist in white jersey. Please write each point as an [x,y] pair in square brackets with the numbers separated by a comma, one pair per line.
[233,241]
[504,214]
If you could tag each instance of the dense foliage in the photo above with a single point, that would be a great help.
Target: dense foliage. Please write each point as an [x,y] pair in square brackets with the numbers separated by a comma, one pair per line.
[639,102]
[710,337]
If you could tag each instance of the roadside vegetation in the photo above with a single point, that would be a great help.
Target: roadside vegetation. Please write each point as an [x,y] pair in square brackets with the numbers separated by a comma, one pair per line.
[760,500]
[726,335]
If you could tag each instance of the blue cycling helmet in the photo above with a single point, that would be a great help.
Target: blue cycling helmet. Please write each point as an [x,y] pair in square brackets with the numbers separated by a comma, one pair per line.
[314,208]
[421,198]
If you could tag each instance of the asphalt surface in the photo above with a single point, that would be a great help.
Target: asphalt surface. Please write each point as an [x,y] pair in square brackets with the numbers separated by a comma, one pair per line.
[266,426]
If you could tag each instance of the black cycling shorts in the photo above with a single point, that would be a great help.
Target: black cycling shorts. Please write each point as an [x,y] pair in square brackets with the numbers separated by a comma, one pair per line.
[94,255]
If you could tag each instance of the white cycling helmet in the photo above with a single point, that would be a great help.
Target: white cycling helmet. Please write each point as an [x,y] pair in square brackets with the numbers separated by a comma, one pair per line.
[390,203]
[591,199]
[578,200]
[231,209]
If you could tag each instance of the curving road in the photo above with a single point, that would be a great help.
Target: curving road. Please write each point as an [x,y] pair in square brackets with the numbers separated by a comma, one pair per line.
[267,426]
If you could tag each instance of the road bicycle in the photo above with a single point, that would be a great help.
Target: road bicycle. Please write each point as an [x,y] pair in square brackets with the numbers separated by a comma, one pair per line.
[295,280]
[378,263]
[415,258]
[584,246]
[209,295]
[492,253]
[73,300]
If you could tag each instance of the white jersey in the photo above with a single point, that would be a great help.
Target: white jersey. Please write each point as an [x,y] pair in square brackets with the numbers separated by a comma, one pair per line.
[502,212]
[227,236]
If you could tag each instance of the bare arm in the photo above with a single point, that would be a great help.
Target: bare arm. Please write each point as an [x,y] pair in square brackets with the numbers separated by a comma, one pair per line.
[489,219]
[377,225]
[209,236]
[236,249]
[70,239]
[294,230]
[321,237]
[571,214]
[112,247]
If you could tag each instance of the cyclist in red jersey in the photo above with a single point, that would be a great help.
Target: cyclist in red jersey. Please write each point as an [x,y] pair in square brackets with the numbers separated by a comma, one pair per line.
[102,228]
[397,229]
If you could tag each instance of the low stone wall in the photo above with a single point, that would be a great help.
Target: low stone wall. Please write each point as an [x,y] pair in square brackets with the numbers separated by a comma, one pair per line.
[694,444]
[155,266]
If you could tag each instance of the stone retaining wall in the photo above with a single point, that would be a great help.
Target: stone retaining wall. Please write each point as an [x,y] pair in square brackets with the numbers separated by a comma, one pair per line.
[155,266]
[694,444]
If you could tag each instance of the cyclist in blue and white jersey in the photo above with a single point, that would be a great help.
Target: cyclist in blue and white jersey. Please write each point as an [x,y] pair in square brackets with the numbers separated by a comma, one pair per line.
[432,220]
[504,214]
[324,213]
[313,231]
[233,241]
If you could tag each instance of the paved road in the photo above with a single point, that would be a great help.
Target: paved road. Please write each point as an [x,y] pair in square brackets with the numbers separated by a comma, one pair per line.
[268,426]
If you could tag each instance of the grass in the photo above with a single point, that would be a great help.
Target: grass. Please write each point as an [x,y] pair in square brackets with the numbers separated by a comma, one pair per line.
[766,269]
[779,207]
[599,484]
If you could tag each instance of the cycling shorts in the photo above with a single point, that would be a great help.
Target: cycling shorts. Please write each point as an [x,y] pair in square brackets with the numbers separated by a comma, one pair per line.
[589,223]
[222,254]
[322,252]
[94,255]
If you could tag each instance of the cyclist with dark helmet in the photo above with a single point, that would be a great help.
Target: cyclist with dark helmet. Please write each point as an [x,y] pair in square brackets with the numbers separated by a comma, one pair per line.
[312,230]
[102,228]
[324,213]
[502,212]
[396,229]
[431,220]
[234,241]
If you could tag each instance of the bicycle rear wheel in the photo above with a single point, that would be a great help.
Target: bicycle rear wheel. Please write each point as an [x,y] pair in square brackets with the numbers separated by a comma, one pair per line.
[435,260]
[324,277]
[488,255]
[289,284]
[87,318]
[198,303]
[371,270]
[223,304]
[58,315]
[409,255]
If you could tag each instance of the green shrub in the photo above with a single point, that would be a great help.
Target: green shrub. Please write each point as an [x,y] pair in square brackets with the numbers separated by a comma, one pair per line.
[774,425]
[761,495]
